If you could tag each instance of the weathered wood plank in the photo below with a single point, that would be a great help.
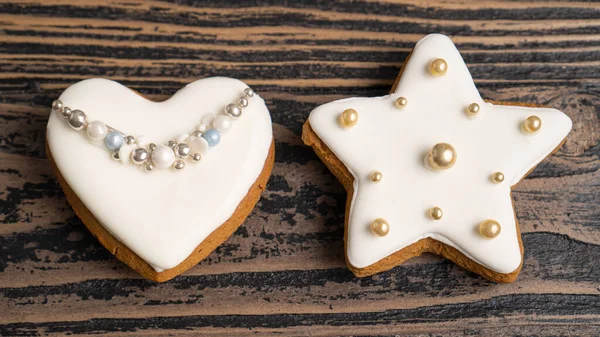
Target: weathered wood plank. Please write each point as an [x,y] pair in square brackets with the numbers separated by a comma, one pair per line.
[567,307]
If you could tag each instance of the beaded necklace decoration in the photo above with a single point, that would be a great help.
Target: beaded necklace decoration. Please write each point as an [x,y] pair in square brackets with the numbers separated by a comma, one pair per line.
[149,156]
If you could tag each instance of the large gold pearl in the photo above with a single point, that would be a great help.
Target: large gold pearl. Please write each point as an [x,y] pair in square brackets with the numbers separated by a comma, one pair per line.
[532,124]
[376,176]
[380,227]
[473,109]
[497,177]
[436,213]
[442,156]
[348,118]
[401,102]
[438,67]
[489,229]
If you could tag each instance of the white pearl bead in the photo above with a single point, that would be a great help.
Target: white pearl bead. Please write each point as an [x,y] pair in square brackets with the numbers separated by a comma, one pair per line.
[96,130]
[181,138]
[207,120]
[125,153]
[163,156]
[142,141]
[201,128]
[198,144]
[222,123]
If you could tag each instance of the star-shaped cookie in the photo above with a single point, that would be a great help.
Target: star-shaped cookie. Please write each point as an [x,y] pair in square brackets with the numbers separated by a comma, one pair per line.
[429,168]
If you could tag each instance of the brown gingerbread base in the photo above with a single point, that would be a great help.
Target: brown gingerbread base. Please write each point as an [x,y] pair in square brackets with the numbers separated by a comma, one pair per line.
[217,237]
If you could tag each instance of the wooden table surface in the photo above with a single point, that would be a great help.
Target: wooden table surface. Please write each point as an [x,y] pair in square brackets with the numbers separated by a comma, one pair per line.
[283,271]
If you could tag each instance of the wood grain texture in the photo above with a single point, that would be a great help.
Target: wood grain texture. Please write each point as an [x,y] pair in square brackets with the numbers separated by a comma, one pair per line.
[283,272]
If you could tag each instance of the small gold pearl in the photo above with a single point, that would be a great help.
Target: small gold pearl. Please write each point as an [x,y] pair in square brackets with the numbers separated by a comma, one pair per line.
[489,229]
[442,156]
[401,102]
[532,124]
[348,118]
[436,213]
[380,227]
[376,176]
[438,67]
[473,109]
[497,177]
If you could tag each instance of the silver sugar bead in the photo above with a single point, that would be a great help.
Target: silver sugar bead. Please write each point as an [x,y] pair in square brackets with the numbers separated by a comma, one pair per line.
[233,110]
[151,146]
[149,167]
[243,101]
[57,105]
[182,150]
[139,155]
[248,92]
[130,140]
[197,133]
[77,120]
[171,144]
[115,156]
[66,111]
[179,164]
[196,157]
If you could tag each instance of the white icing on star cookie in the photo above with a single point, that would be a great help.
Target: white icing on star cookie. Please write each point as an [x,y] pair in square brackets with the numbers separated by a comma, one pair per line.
[162,217]
[436,103]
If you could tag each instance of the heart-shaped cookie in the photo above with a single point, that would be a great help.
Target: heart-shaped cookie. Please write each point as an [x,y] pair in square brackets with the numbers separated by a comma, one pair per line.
[162,222]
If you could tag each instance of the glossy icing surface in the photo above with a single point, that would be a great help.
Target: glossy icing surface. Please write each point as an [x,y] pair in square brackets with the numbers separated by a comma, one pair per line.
[396,140]
[163,215]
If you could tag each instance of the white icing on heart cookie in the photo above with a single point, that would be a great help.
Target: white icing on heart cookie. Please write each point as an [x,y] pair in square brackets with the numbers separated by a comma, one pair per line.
[434,160]
[162,216]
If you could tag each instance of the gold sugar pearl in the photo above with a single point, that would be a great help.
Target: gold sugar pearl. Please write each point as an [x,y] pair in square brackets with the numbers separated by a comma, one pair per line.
[376,176]
[497,177]
[436,213]
[442,156]
[489,229]
[380,227]
[532,124]
[438,67]
[473,109]
[401,102]
[348,118]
